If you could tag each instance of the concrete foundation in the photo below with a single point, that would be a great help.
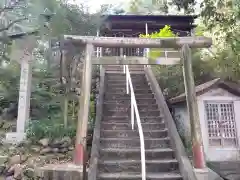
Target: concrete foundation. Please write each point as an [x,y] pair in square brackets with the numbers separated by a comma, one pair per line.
[206,174]
[60,172]
[15,137]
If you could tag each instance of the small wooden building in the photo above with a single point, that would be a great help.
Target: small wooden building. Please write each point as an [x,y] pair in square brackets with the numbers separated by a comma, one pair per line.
[218,105]
[134,25]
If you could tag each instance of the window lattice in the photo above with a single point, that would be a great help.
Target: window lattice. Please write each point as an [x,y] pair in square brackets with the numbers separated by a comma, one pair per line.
[221,124]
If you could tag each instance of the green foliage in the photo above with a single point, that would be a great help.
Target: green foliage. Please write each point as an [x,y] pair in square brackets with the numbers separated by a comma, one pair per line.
[8,77]
[171,77]
[92,113]
[162,6]
[188,145]
[186,5]
[164,32]
[52,129]
[221,21]
[199,31]
[48,93]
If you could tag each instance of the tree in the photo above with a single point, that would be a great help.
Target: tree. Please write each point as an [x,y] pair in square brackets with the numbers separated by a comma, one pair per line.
[221,20]
[162,6]
[149,7]
[186,5]
[48,91]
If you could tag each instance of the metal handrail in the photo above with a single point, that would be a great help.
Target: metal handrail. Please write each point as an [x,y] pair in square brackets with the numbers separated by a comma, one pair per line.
[134,108]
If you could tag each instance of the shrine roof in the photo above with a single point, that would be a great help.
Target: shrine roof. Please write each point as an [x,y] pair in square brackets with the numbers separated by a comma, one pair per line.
[231,87]
[136,23]
[149,17]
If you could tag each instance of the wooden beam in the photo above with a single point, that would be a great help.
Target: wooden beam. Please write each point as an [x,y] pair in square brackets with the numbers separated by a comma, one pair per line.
[173,42]
[196,133]
[151,24]
[140,30]
[116,60]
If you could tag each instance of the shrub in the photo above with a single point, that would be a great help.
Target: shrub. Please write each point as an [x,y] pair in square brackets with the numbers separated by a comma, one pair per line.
[46,128]
[92,113]
[154,53]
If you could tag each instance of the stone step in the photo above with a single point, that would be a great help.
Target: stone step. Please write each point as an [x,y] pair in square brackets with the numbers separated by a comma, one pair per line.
[113,166]
[119,154]
[136,91]
[119,65]
[121,71]
[128,126]
[124,95]
[122,85]
[114,83]
[121,68]
[134,153]
[121,76]
[123,81]
[138,176]
[127,107]
[114,74]
[132,71]
[134,133]
[142,113]
[123,143]
[127,101]
[128,98]
[127,119]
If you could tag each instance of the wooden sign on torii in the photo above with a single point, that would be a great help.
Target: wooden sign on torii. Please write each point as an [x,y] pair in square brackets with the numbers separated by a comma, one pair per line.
[184,44]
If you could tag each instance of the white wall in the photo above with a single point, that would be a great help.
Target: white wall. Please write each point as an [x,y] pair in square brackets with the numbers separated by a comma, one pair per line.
[218,153]
[213,153]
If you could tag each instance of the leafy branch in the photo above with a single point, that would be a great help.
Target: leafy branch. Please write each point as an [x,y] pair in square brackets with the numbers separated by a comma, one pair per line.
[5,9]
[8,8]
[12,24]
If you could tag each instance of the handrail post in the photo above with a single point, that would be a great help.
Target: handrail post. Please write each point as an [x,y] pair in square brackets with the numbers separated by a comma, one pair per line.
[127,86]
[132,112]
[166,54]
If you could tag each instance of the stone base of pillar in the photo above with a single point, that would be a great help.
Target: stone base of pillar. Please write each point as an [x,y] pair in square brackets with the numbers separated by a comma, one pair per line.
[59,172]
[15,137]
[206,173]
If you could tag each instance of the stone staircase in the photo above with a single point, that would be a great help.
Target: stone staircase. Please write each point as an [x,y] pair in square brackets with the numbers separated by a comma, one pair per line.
[119,153]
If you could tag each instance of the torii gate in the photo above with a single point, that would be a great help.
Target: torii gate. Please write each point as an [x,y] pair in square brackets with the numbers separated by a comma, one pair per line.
[184,44]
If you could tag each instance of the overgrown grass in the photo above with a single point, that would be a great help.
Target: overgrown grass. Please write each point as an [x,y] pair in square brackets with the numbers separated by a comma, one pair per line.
[53,127]
[46,128]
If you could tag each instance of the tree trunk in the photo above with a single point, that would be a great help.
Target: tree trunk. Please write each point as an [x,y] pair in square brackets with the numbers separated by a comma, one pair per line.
[65,112]
[73,111]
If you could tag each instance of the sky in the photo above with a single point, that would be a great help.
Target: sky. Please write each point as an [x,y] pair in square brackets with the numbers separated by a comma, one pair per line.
[94,5]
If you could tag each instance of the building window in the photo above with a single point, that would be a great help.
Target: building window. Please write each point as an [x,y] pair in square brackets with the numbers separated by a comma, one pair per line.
[221,124]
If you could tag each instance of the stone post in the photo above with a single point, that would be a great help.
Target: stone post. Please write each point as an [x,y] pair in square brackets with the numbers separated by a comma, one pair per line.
[24,93]
[23,54]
